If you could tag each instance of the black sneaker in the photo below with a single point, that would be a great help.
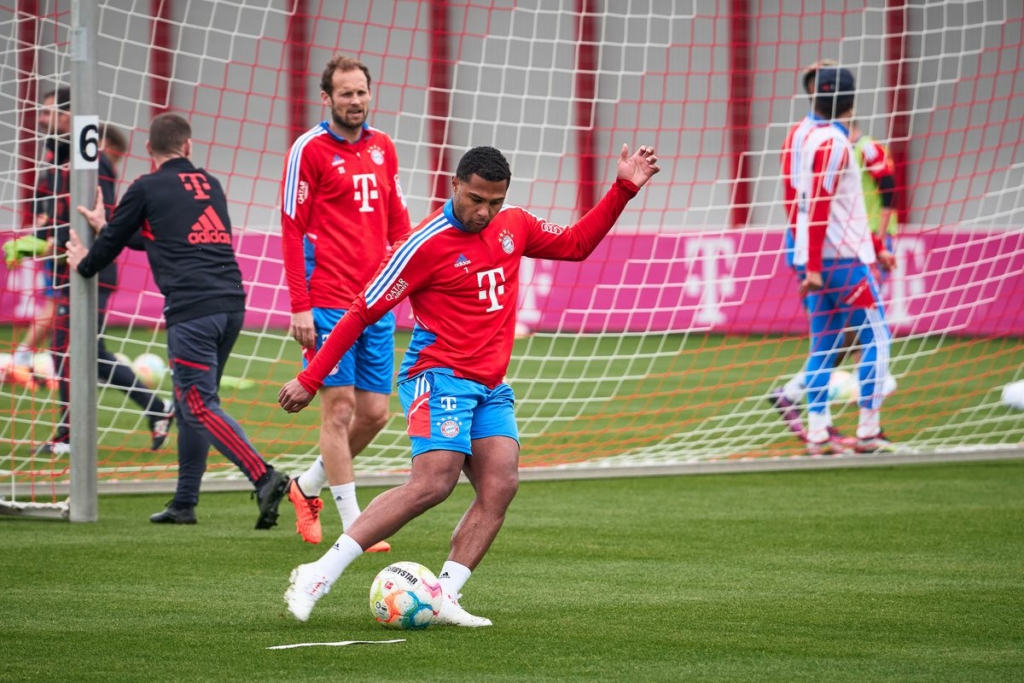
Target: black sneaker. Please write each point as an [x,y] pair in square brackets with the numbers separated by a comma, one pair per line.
[269,496]
[160,426]
[174,515]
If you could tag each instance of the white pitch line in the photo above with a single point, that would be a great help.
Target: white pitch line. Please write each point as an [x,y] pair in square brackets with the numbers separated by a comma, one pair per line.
[340,643]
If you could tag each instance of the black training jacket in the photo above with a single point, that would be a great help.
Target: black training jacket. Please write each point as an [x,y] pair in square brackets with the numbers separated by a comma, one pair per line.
[182,214]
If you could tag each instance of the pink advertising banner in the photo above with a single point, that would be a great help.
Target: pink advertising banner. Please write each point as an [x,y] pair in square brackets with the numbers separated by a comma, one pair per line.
[958,282]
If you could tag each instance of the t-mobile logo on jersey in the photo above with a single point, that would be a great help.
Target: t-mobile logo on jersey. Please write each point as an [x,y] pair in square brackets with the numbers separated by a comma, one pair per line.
[195,182]
[366,189]
[495,279]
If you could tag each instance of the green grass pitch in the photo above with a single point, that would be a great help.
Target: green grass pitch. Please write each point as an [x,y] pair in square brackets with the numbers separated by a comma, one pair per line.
[913,573]
[591,396]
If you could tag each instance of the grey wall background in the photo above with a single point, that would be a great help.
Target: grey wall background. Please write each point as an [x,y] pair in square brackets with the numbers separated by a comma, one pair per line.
[663,81]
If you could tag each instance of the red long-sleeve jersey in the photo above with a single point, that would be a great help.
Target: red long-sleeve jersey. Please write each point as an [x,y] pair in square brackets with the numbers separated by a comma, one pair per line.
[341,206]
[463,288]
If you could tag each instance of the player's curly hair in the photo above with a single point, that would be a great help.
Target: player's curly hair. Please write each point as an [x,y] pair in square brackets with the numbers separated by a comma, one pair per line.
[486,162]
[341,63]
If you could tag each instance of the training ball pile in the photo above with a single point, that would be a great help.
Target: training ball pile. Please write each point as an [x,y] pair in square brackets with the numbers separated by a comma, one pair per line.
[405,595]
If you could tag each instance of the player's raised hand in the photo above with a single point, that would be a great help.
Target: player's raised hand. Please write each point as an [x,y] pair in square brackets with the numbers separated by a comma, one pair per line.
[293,397]
[639,167]
[97,215]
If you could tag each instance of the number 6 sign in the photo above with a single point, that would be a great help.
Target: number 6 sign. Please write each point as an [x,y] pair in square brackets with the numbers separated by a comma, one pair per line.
[86,143]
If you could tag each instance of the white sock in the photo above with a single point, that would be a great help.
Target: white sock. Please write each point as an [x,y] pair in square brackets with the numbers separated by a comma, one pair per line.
[868,426]
[313,479]
[338,557]
[817,427]
[22,356]
[348,507]
[795,388]
[453,577]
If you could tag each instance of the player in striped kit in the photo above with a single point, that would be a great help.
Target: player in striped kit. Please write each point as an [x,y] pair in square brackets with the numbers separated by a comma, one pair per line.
[342,207]
[834,251]
[460,270]
[786,399]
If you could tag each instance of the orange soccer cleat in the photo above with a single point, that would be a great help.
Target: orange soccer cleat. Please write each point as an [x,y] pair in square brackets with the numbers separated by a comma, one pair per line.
[307,513]
[380,547]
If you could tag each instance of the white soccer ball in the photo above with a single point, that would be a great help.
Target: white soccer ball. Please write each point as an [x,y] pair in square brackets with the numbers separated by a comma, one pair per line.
[1013,395]
[843,387]
[42,367]
[150,369]
[405,595]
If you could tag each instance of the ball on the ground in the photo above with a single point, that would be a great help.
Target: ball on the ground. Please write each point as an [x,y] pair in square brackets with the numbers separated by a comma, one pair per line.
[843,387]
[150,369]
[405,595]
[42,367]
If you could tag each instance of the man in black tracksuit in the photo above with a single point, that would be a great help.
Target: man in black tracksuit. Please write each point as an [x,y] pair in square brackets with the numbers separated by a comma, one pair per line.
[53,216]
[181,213]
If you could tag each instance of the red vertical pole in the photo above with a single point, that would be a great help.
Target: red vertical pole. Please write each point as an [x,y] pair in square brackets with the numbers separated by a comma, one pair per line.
[739,109]
[586,91]
[438,100]
[297,41]
[28,13]
[898,85]
[160,56]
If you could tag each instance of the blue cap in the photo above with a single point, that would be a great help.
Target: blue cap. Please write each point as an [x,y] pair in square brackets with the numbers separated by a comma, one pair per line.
[834,80]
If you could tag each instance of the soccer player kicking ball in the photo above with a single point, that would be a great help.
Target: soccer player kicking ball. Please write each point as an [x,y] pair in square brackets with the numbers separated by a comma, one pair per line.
[460,270]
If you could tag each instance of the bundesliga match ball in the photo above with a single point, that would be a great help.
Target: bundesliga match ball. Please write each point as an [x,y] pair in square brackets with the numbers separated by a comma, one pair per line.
[843,387]
[150,368]
[405,595]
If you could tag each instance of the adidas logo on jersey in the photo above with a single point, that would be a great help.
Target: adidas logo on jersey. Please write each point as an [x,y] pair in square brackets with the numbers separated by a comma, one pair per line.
[462,261]
[209,229]
[337,161]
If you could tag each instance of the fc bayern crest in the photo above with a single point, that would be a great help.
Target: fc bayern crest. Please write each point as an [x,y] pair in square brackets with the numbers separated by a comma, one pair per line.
[507,245]
[450,428]
[377,155]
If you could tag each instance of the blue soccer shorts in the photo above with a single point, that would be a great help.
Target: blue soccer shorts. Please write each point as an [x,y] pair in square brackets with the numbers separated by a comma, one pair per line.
[370,364]
[447,413]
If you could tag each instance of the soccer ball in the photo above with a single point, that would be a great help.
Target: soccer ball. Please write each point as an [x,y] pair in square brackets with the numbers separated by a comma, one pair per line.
[843,387]
[43,368]
[405,595]
[150,369]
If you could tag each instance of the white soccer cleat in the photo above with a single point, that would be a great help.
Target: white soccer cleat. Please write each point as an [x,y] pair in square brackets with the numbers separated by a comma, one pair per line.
[308,585]
[452,614]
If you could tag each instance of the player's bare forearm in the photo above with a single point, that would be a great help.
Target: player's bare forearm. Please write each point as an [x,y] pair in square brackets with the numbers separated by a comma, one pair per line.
[293,397]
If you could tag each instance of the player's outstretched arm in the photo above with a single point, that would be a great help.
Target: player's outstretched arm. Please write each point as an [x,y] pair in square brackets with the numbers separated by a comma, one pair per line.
[639,167]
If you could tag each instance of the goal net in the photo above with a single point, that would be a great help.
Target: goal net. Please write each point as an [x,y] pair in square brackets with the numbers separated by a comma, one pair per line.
[665,346]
